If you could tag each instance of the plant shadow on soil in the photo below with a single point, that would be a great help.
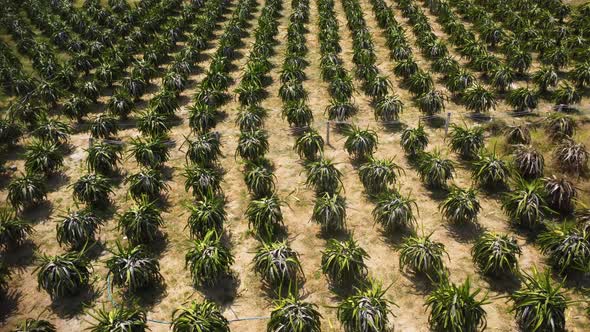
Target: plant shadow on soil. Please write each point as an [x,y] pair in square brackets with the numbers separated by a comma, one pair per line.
[9,304]
[41,212]
[465,232]
[436,194]
[117,178]
[12,153]
[146,298]
[506,283]
[159,245]
[167,172]
[5,178]
[421,283]
[106,211]
[163,202]
[394,238]
[356,163]
[466,164]
[394,127]
[185,100]
[530,235]
[575,280]
[339,235]
[22,256]
[94,250]
[493,193]
[341,292]
[224,291]
[57,181]
[72,306]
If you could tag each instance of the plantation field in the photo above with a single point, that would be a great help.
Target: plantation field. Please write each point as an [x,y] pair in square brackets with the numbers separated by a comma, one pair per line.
[224,63]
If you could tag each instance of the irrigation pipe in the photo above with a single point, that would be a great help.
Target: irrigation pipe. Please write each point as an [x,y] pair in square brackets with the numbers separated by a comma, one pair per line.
[115,304]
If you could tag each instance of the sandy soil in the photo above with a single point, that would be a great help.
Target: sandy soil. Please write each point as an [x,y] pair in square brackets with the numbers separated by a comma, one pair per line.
[576,2]
[250,299]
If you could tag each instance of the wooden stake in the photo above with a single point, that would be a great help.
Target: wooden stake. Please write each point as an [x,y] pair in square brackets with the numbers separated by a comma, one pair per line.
[328,132]
[447,123]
